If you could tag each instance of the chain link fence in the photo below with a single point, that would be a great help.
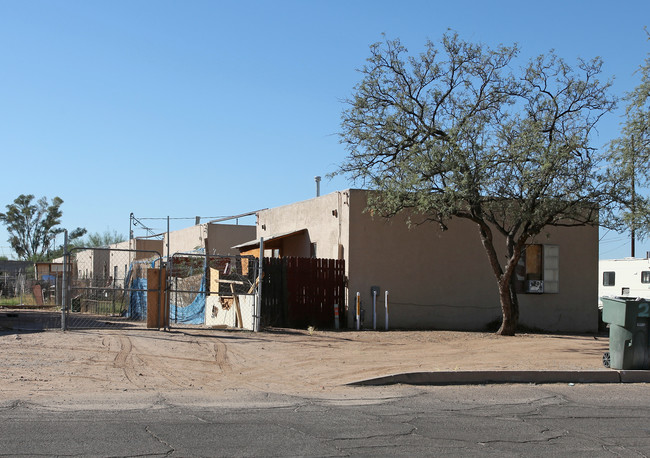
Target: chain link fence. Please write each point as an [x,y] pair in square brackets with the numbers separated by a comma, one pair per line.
[32,303]
[108,287]
[119,287]
[214,290]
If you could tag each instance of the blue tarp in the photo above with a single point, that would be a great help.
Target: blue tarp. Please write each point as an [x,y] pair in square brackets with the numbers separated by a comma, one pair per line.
[138,303]
[194,313]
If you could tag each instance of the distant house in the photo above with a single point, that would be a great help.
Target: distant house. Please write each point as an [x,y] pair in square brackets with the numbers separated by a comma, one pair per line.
[112,263]
[628,277]
[48,271]
[436,279]
[13,268]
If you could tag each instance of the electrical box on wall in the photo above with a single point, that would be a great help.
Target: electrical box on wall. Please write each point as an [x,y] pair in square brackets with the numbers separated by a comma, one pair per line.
[375,289]
[535,286]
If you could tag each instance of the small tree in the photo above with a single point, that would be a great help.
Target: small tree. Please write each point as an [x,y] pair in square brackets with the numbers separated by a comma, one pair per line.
[630,159]
[97,239]
[32,226]
[457,133]
[92,240]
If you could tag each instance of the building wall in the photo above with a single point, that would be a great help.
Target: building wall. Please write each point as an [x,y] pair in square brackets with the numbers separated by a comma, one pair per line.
[325,218]
[435,279]
[93,263]
[222,237]
[443,280]
[115,260]
[186,240]
[84,263]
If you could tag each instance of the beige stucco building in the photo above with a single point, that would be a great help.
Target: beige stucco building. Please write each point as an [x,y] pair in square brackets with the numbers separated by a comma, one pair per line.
[436,279]
[112,263]
[215,239]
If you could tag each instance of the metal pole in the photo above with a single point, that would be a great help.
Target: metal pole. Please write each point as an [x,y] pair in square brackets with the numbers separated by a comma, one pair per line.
[386,308]
[336,316]
[258,302]
[64,295]
[358,310]
[374,310]
[131,244]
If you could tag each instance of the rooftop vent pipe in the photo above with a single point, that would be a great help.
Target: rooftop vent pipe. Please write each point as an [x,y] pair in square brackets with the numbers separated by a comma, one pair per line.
[317,179]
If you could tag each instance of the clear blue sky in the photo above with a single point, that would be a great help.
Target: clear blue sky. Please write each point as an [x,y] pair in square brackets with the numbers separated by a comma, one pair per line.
[211,108]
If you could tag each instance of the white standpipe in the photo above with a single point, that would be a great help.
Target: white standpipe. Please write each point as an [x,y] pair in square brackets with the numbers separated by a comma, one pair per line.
[358,310]
[386,308]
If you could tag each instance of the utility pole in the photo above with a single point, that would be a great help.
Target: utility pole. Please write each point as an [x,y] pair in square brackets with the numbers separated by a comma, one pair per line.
[632,229]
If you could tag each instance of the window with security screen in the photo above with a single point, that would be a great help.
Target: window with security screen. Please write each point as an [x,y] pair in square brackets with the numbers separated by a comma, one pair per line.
[609,278]
[539,269]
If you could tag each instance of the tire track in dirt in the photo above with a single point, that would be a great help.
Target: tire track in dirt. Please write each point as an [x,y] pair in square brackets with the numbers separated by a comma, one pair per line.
[125,350]
[221,357]
[122,359]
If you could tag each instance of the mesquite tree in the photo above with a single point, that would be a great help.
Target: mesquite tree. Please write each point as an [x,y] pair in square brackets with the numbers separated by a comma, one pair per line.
[32,226]
[460,132]
[630,159]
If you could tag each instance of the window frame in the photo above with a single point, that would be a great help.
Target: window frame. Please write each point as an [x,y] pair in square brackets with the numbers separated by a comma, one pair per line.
[645,275]
[610,275]
[543,266]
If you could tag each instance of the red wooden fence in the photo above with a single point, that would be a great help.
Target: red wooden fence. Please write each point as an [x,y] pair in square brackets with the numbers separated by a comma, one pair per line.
[303,291]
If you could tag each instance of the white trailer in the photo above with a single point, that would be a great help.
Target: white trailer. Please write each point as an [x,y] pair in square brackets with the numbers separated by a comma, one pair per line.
[628,277]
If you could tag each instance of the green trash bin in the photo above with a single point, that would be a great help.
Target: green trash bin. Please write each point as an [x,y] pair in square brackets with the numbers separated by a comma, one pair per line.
[628,332]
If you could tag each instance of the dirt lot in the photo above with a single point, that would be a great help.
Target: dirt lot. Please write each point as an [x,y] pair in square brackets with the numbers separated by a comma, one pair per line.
[228,363]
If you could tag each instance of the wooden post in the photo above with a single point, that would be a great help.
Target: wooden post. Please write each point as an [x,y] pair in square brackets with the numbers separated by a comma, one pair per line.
[237,308]
[157,313]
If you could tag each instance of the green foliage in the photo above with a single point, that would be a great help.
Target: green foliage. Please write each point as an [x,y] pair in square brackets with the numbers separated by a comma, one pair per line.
[32,226]
[104,239]
[630,157]
[92,240]
[459,131]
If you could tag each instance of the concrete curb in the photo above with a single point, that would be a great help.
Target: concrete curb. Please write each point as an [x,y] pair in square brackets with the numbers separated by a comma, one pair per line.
[490,377]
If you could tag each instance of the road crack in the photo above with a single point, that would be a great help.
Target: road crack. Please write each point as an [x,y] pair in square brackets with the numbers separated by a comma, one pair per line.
[161,440]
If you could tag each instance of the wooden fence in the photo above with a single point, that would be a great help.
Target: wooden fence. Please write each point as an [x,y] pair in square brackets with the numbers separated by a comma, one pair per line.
[301,292]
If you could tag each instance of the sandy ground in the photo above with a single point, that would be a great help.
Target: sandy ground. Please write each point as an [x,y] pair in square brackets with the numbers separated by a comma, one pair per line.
[62,366]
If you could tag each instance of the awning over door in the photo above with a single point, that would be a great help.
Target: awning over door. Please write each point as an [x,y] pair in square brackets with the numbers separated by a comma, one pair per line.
[273,242]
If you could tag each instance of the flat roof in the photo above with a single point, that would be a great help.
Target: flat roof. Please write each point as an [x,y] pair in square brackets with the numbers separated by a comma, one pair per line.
[256,243]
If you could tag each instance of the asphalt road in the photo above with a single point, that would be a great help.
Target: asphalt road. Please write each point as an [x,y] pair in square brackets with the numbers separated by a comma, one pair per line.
[494,420]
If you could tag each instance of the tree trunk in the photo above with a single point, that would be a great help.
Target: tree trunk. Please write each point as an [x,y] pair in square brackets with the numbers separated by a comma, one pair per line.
[507,294]
[509,308]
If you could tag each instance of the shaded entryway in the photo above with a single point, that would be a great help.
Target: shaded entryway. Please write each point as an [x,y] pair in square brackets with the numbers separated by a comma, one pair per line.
[302,292]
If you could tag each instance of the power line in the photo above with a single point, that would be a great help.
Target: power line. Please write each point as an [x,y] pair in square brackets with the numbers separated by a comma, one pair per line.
[182,217]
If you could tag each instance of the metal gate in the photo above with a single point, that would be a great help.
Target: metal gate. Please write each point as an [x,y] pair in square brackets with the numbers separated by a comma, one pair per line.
[212,290]
[109,287]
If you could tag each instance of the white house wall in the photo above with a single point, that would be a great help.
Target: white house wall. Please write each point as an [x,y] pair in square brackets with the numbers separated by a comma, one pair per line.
[627,280]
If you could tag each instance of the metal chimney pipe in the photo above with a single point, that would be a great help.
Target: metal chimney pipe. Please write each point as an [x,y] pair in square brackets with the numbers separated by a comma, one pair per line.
[317,179]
